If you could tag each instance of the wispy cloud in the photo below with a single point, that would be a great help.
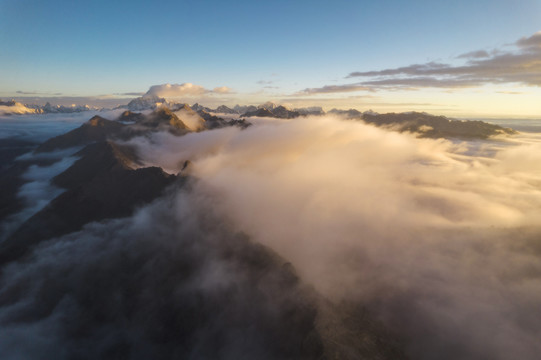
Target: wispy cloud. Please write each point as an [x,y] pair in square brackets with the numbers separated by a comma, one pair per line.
[327,89]
[479,54]
[521,65]
[130,94]
[222,90]
[36,93]
[104,100]
[510,92]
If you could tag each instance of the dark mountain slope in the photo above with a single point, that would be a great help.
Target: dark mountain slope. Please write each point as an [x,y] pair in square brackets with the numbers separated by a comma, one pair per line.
[95,129]
[128,116]
[179,289]
[261,112]
[215,122]
[101,185]
[280,112]
[431,126]
[163,118]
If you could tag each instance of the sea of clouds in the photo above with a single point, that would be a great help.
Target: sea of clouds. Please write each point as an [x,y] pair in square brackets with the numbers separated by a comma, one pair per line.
[439,239]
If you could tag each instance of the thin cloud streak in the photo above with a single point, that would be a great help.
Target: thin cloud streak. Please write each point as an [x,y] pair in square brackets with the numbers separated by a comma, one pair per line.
[521,66]
[474,55]
[36,93]
[327,89]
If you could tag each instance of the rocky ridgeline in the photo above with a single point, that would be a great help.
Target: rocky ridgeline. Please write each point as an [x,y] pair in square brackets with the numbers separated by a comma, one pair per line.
[423,124]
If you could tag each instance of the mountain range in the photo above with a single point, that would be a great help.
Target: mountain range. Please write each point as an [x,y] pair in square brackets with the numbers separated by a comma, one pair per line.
[12,107]
[426,125]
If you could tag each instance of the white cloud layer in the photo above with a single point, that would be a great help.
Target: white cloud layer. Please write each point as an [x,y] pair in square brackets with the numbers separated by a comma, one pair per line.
[439,239]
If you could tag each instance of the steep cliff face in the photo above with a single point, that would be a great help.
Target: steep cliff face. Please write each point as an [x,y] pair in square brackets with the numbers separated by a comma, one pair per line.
[95,129]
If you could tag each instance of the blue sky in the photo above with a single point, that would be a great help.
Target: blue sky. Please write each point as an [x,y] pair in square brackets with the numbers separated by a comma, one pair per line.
[260,50]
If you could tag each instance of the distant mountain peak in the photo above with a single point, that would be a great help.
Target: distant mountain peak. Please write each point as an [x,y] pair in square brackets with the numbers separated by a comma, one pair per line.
[146,102]
[163,116]
[222,109]
[269,105]
[98,121]
[276,111]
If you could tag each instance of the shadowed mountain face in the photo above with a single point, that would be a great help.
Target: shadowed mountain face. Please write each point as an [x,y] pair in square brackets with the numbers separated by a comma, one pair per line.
[276,111]
[95,129]
[100,129]
[431,126]
[163,118]
[425,125]
[262,112]
[284,113]
[215,122]
[222,109]
[349,114]
[10,173]
[130,124]
[11,149]
[102,184]
[145,102]
[128,116]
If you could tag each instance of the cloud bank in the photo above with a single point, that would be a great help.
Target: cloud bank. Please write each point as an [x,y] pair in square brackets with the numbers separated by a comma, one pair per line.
[184,90]
[439,239]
